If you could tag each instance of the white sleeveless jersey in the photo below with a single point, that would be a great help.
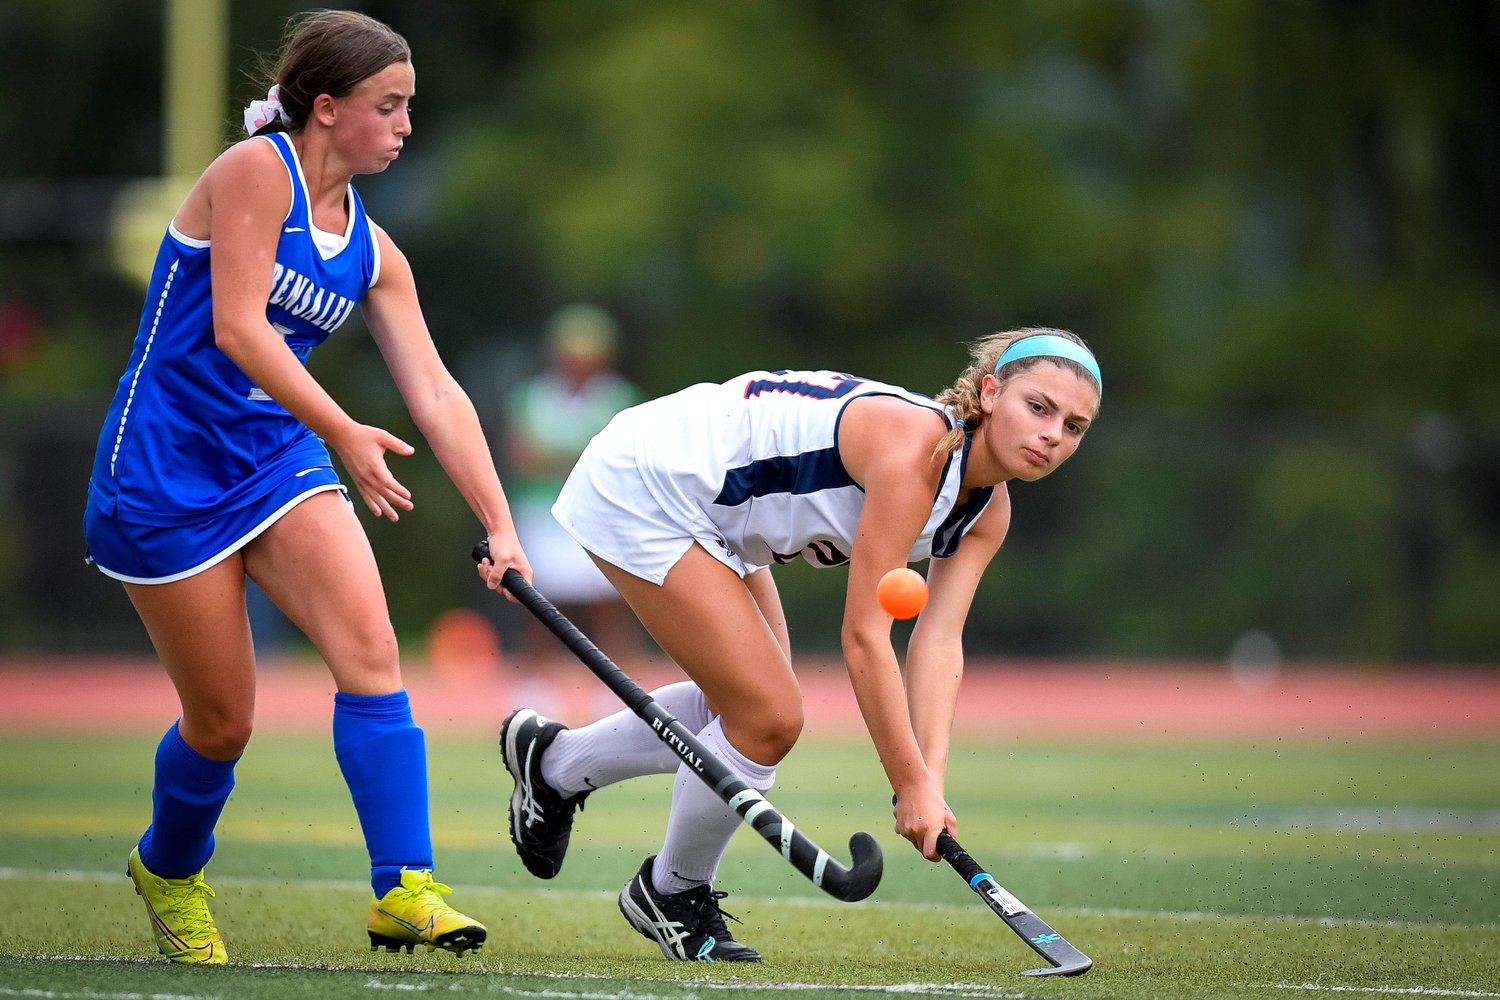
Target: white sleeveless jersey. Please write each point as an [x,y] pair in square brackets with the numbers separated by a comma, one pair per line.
[753,463]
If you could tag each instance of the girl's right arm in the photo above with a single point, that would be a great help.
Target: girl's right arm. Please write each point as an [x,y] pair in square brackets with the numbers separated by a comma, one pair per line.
[886,444]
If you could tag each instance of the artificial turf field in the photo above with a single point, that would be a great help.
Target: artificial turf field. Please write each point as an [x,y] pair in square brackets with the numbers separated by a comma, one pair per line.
[1270,866]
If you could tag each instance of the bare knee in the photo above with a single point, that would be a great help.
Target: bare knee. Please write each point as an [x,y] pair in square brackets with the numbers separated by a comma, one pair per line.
[782,734]
[217,734]
[365,658]
[766,733]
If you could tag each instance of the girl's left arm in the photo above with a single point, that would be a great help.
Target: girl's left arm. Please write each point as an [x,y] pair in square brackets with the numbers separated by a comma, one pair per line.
[439,406]
[935,651]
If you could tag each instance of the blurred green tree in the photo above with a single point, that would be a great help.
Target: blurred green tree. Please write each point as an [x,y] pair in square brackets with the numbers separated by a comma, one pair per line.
[1272,220]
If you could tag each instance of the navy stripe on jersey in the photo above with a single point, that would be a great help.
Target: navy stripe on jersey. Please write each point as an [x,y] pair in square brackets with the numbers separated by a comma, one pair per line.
[844,385]
[809,472]
[819,552]
[945,540]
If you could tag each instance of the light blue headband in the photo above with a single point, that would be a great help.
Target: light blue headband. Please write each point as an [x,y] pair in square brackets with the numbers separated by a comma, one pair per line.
[1049,345]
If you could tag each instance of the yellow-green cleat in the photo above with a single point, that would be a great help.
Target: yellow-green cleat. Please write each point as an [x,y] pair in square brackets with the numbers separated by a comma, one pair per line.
[414,913]
[184,928]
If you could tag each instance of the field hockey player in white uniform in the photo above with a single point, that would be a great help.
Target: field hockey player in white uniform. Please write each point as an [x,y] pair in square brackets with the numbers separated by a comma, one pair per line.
[686,501]
[213,467]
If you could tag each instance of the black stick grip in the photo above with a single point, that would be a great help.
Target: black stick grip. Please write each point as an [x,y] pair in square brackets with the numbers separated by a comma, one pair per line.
[960,859]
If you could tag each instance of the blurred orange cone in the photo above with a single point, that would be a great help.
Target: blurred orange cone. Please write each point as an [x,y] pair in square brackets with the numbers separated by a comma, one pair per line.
[462,645]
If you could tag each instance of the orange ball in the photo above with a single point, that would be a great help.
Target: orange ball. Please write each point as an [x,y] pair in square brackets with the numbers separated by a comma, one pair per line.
[902,592]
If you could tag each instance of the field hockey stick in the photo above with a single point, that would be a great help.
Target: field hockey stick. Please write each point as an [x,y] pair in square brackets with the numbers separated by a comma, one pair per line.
[1035,931]
[848,884]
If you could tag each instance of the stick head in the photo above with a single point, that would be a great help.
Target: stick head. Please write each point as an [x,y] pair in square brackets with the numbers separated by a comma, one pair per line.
[866,865]
[1074,968]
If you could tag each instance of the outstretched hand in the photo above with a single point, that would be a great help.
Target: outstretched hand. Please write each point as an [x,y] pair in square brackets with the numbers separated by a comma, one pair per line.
[362,450]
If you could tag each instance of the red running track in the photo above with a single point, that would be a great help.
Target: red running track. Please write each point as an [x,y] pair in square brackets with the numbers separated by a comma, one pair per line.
[1106,700]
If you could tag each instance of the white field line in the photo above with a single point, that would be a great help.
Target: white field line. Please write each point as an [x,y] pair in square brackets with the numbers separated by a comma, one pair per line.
[1193,915]
[1187,915]
[344,885]
[41,994]
[978,991]
[685,987]
[1385,819]
[1418,991]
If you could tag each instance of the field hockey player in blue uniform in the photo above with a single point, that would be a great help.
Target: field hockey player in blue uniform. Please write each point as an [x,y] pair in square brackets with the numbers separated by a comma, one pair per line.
[213,467]
[686,501]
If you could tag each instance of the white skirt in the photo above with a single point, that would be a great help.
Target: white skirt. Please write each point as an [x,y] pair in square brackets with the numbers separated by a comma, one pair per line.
[607,506]
[564,571]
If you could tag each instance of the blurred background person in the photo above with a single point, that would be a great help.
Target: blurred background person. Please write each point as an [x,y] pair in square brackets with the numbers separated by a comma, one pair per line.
[551,416]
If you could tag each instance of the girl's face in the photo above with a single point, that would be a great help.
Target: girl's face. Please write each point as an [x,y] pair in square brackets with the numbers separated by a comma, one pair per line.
[371,121]
[1035,421]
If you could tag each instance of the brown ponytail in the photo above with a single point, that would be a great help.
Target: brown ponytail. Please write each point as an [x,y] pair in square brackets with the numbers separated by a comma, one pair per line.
[328,52]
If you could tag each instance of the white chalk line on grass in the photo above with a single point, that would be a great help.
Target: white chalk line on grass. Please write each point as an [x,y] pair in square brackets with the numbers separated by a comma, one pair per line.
[976,991]
[345,885]
[979,991]
[6,991]
[1420,991]
[1126,913]
[686,987]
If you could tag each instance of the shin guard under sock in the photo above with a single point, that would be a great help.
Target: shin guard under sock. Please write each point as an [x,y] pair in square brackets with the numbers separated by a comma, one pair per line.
[701,824]
[621,746]
[383,755]
[187,796]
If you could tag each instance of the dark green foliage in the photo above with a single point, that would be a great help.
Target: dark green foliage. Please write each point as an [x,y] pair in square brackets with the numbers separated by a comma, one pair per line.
[1273,220]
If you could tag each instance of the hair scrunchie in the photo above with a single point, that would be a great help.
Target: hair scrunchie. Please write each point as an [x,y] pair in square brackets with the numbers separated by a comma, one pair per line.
[259,114]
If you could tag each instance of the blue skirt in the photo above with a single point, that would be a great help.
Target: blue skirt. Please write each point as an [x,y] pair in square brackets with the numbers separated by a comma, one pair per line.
[134,552]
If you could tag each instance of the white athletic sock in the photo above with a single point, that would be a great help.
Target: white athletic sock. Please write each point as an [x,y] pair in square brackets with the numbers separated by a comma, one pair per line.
[621,746]
[700,825]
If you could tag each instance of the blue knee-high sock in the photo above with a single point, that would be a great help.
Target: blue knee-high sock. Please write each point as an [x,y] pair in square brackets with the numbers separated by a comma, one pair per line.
[186,799]
[383,755]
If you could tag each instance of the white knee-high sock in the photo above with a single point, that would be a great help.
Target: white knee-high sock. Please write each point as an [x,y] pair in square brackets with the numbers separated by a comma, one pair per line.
[701,825]
[621,746]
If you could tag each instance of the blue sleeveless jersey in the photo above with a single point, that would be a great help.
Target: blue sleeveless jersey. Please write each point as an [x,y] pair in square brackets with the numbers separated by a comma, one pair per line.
[188,435]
